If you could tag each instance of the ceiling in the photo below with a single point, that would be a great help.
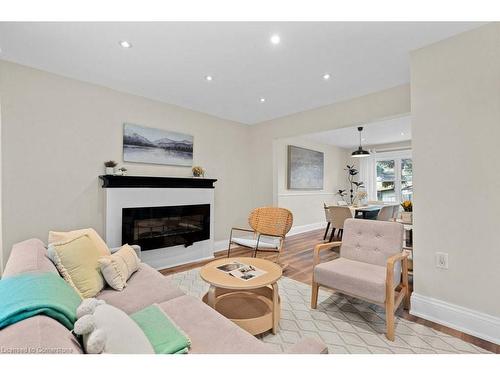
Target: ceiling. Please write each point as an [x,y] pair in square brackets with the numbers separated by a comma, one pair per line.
[170,60]
[375,133]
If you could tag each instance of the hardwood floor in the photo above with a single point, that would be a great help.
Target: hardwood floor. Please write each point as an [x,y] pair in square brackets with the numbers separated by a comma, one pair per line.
[298,255]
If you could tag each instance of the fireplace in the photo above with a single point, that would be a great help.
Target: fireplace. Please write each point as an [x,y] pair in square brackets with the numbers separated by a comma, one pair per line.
[159,227]
[163,215]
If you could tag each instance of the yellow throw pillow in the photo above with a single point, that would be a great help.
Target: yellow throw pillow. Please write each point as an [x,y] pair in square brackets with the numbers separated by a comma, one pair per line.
[118,267]
[77,262]
[56,237]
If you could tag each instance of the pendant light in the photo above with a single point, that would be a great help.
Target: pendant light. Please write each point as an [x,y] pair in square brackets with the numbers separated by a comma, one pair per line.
[360,153]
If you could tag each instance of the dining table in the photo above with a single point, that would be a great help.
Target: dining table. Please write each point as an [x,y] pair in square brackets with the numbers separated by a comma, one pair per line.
[367,211]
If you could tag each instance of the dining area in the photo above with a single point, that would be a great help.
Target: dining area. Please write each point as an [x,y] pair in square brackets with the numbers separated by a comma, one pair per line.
[336,215]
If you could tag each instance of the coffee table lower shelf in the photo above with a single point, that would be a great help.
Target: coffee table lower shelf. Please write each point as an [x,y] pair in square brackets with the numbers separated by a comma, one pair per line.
[253,310]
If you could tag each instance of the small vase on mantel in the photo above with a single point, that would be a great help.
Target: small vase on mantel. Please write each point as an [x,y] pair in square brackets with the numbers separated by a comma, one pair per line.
[110,167]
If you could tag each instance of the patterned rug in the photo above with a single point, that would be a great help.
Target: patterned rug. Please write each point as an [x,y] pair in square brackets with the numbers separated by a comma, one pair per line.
[345,324]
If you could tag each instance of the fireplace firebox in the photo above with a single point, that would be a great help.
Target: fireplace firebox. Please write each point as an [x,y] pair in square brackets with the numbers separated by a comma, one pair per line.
[159,227]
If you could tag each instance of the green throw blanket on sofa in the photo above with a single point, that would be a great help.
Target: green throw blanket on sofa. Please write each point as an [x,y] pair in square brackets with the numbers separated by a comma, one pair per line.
[163,334]
[26,295]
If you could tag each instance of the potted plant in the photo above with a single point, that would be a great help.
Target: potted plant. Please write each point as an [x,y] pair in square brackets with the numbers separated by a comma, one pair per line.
[198,172]
[407,214]
[354,185]
[110,167]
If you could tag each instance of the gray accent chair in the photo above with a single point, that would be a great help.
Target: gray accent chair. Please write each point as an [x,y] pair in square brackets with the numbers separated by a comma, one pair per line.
[371,266]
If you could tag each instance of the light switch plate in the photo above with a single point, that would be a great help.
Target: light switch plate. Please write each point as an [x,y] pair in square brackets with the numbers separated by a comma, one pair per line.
[442,260]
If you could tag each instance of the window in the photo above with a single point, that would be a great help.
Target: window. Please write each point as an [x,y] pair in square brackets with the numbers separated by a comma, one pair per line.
[394,178]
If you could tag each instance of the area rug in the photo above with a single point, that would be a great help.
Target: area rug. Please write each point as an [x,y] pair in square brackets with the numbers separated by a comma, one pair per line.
[345,324]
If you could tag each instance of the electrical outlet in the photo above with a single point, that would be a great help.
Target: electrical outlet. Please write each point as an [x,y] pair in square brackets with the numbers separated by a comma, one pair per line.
[442,260]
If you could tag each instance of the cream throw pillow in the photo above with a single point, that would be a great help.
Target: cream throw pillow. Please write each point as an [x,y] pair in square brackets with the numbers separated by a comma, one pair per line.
[118,268]
[77,262]
[56,237]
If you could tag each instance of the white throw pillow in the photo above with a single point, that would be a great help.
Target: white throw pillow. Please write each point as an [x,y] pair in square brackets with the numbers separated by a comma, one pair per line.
[118,267]
[108,330]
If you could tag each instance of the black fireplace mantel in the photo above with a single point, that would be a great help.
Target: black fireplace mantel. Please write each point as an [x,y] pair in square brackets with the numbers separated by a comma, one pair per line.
[112,181]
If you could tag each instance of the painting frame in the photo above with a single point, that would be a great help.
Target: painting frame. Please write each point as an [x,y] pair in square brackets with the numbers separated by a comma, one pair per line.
[305,168]
[142,144]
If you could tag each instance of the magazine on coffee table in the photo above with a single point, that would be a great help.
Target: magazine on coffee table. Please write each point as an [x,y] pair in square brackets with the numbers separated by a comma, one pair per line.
[241,271]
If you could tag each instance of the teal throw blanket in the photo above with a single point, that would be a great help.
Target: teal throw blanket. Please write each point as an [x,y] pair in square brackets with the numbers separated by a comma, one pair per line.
[26,295]
[163,334]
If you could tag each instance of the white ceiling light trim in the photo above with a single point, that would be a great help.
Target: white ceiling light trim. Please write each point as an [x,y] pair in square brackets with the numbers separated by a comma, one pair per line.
[275,39]
[125,44]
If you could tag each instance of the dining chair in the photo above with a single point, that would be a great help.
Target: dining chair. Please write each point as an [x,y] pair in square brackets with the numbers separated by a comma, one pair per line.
[340,214]
[329,219]
[372,266]
[395,212]
[274,222]
[385,213]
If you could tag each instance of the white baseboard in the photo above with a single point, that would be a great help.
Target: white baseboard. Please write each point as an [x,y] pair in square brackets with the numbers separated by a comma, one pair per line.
[475,323]
[306,228]
[221,245]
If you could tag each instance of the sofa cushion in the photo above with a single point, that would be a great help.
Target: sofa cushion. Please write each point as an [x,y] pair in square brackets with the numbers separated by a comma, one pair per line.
[209,331]
[77,262]
[93,235]
[145,287]
[118,267]
[358,279]
[28,256]
[38,335]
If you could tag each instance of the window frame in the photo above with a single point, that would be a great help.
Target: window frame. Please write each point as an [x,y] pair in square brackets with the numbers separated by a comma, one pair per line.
[398,157]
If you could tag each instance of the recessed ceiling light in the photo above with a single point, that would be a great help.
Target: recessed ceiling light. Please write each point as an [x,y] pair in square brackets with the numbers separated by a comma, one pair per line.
[262,100]
[125,44]
[402,133]
[275,39]
[326,76]
[209,78]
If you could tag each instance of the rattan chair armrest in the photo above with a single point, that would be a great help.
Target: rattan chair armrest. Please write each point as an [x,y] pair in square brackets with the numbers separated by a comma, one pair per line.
[323,246]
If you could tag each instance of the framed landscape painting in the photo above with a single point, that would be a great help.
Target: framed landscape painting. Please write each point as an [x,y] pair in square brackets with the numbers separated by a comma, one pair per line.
[156,146]
[305,169]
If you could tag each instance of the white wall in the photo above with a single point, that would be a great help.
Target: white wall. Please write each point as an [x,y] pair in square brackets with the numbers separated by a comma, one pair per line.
[307,206]
[455,94]
[57,132]
[386,104]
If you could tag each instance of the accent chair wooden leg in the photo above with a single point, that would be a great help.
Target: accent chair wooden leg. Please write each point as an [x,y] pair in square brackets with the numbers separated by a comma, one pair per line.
[314,295]
[406,288]
[326,231]
[389,314]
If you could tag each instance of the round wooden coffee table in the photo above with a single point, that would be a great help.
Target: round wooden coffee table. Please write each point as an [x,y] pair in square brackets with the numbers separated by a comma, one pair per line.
[253,304]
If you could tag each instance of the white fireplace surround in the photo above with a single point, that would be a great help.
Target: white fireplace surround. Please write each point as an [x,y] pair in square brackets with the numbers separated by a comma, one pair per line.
[118,198]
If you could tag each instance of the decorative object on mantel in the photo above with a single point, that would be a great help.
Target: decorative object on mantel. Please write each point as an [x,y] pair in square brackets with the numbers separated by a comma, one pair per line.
[407,214]
[113,181]
[354,185]
[156,146]
[305,169]
[110,167]
[198,172]
[122,171]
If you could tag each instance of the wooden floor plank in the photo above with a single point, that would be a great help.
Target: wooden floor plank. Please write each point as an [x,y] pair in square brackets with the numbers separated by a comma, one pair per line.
[298,255]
